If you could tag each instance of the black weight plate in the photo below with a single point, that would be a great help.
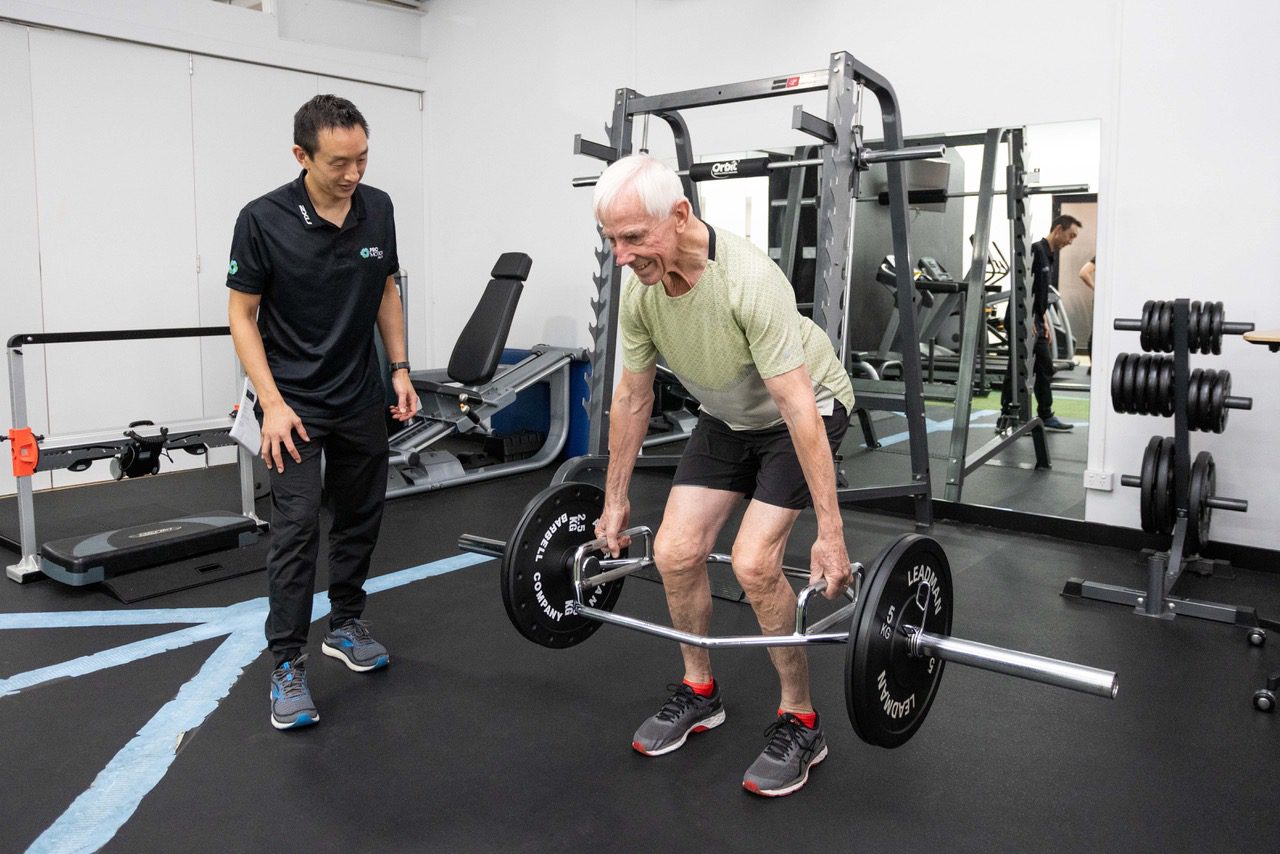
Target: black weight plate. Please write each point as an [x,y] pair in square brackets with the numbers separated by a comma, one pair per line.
[1208,380]
[1156,311]
[1148,321]
[1218,318]
[1221,390]
[1155,386]
[1193,398]
[1208,490]
[1195,504]
[1139,381]
[537,567]
[1193,326]
[1131,382]
[1161,385]
[1165,510]
[1166,387]
[1149,386]
[1147,500]
[1198,510]
[1138,399]
[1166,327]
[1117,384]
[887,691]
[1203,328]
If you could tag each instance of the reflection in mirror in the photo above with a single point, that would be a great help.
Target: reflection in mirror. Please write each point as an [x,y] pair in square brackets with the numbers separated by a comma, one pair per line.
[1061,166]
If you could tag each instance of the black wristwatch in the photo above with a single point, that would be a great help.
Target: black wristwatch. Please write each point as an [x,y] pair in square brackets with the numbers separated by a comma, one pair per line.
[398,366]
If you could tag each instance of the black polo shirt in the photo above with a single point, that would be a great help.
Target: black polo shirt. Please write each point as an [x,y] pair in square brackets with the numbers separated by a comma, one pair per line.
[1042,263]
[321,288]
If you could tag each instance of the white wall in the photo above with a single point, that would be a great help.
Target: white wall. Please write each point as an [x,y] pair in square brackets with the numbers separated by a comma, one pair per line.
[1190,210]
[131,154]
[508,107]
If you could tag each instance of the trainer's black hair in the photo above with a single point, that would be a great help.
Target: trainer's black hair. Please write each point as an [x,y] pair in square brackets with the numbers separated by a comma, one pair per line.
[324,112]
[1065,221]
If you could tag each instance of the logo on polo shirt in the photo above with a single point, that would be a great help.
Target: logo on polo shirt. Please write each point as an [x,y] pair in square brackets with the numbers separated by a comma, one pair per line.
[233,268]
[305,218]
[371,252]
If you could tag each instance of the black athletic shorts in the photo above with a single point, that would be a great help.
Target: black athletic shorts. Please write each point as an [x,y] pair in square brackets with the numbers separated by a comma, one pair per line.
[761,464]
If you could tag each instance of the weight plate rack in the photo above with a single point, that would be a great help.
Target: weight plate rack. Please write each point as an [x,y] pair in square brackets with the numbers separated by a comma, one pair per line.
[1178,491]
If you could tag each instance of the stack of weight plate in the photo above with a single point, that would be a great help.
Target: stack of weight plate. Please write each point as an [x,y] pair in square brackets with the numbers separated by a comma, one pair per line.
[1144,384]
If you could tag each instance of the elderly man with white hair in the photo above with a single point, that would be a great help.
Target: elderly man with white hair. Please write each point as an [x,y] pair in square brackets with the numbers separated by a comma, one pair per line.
[775,404]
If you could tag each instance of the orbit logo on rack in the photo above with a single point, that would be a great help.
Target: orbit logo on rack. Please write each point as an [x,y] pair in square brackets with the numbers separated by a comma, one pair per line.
[724,169]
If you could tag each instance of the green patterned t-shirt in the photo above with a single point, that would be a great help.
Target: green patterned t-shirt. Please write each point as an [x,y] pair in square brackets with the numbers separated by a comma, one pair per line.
[737,327]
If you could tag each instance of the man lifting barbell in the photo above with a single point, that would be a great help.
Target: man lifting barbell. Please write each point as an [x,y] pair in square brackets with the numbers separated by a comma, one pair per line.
[774,407]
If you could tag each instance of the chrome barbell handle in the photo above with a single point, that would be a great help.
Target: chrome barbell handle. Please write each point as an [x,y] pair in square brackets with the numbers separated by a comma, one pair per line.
[851,592]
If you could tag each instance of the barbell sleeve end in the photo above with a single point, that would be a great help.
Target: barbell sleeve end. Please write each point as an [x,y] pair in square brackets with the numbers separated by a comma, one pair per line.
[918,152]
[1011,662]
[1130,480]
[1232,402]
[1218,502]
[482,545]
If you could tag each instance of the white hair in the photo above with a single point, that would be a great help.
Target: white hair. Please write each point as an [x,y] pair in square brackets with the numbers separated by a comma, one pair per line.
[654,183]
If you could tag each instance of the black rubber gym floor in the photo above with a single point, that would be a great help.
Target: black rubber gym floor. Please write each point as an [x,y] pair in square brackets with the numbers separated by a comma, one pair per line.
[475,740]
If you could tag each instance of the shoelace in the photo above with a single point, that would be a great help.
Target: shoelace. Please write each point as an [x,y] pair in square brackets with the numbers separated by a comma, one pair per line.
[783,735]
[294,681]
[681,701]
[359,631]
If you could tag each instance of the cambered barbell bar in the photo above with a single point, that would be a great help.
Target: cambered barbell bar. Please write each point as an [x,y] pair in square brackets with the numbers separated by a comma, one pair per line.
[558,590]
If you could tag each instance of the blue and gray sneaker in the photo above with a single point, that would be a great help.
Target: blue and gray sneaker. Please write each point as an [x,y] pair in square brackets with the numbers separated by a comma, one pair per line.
[291,704]
[353,646]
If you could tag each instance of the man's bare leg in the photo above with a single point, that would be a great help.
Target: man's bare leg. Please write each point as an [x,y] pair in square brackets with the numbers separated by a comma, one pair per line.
[690,524]
[757,563]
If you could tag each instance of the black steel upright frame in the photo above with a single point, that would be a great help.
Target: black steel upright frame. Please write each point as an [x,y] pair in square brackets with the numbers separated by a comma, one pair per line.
[843,80]
[960,463]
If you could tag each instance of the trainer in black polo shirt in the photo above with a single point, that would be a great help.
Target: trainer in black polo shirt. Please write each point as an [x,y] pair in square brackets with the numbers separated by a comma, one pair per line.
[1062,233]
[311,275]
[322,287]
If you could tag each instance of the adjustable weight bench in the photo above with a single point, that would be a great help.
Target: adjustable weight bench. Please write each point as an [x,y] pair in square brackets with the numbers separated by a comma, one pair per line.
[474,387]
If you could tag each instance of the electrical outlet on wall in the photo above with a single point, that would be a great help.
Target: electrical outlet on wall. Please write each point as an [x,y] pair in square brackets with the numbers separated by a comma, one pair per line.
[1100,480]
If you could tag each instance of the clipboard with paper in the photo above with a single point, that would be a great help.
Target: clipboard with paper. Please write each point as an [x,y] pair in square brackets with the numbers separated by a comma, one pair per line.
[245,429]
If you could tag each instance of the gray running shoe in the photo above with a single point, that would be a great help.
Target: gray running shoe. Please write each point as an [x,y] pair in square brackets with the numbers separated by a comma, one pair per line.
[784,766]
[291,704]
[1056,424]
[684,713]
[352,645]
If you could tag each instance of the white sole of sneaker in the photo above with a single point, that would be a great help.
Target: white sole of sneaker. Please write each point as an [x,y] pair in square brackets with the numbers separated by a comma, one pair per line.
[701,726]
[351,665]
[786,790]
[301,721]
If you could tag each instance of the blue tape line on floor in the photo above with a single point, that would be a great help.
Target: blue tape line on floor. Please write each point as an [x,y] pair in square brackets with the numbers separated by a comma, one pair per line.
[77,619]
[101,810]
